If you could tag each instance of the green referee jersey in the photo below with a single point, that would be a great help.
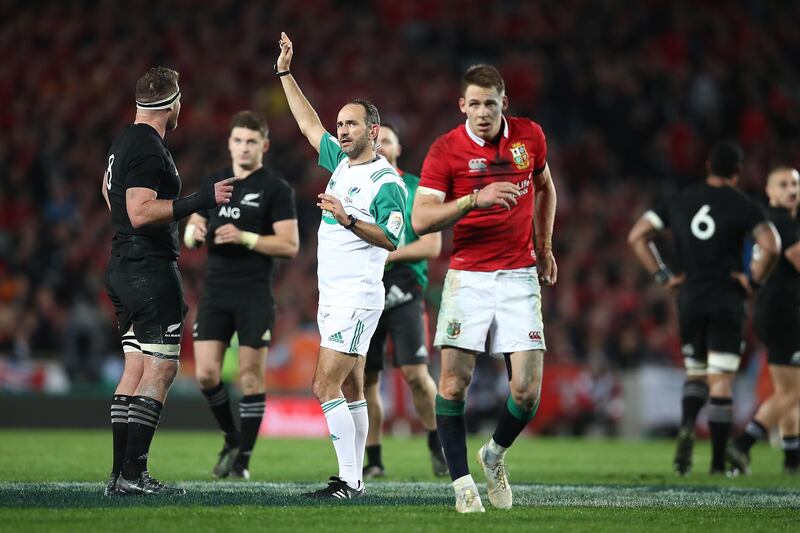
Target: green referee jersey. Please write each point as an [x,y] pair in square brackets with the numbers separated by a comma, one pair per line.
[419,268]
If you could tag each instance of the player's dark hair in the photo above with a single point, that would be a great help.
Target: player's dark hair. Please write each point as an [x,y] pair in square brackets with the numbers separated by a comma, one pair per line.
[157,83]
[485,76]
[392,127]
[725,159]
[370,110]
[250,120]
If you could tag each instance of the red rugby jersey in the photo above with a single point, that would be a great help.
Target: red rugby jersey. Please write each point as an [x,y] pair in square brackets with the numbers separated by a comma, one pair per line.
[459,162]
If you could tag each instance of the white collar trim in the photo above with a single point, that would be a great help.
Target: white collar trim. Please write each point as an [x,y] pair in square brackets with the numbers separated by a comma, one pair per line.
[480,142]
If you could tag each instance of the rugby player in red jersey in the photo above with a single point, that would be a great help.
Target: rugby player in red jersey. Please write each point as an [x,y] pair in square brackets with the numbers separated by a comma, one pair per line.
[490,180]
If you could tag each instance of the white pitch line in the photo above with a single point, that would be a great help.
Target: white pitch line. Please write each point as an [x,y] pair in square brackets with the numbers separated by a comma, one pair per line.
[405,493]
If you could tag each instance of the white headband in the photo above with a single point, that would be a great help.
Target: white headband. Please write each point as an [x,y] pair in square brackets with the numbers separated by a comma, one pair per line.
[166,103]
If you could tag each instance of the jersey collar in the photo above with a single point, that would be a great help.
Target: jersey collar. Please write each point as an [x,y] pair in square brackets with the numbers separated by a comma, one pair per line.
[480,142]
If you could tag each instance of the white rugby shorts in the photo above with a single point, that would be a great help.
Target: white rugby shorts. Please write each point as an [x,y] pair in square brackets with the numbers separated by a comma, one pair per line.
[504,305]
[347,329]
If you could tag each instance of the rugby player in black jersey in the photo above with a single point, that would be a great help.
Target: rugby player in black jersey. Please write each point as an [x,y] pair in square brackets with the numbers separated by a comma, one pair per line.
[141,186]
[710,222]
[243,236]
[777,324]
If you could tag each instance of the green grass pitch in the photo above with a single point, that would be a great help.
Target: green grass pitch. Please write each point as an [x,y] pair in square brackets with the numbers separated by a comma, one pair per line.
[53,481]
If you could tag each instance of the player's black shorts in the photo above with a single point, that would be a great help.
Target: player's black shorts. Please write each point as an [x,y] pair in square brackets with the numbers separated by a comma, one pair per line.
[703,332]
[250,313]
[777,325]
[407,325]
[148,297]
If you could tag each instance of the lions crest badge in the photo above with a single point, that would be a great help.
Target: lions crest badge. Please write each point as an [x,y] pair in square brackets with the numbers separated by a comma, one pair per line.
[453,329]
[520,155]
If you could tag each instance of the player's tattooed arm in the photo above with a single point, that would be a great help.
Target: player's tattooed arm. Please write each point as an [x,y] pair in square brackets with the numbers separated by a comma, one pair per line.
[307,119]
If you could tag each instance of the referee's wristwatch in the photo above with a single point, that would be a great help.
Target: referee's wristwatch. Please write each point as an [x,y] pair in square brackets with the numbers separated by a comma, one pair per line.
[352,223]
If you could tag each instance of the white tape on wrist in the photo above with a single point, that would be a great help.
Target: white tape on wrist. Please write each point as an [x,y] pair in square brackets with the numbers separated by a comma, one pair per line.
[249,239]
[188,236]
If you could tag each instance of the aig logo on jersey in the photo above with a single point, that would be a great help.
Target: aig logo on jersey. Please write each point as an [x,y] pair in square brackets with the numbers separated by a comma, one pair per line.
[520,155]
[251,199]
[227,211]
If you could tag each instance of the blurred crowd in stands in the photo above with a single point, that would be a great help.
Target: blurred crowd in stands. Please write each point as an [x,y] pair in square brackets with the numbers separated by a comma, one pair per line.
[629,93]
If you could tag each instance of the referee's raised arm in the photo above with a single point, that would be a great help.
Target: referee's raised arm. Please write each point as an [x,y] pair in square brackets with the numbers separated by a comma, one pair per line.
[307,119]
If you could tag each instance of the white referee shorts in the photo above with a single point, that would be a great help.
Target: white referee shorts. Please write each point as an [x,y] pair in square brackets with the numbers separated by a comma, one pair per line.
[347,329]
[505,305]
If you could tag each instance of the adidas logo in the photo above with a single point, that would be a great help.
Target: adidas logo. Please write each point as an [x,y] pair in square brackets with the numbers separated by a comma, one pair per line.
[267,336]
[336,337]
[334,437]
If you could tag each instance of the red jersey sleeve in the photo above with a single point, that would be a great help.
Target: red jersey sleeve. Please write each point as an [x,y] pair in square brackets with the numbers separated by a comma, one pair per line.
[436,169]
[540,151]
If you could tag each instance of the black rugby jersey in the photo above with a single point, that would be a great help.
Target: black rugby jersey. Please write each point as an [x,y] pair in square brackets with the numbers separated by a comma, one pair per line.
[710,225]
[784,283]
[138,157]
[258,201]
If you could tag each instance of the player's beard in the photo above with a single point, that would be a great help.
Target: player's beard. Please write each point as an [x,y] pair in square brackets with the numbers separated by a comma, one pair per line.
[172,120]
[358,146]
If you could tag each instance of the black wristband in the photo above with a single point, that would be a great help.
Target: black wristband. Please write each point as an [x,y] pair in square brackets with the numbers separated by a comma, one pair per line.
[753,283]
[279,74]
[202,199]
[352,223]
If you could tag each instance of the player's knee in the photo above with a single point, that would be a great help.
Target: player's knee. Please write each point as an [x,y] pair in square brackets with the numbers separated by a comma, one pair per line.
[167,374]
[207,377]
[323,391]
[525,397]
[454,387]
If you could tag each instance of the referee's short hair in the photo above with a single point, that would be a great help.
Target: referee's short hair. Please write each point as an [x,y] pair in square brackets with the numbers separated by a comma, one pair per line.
[156,84]
[725,159]
[370,111]
[250,120]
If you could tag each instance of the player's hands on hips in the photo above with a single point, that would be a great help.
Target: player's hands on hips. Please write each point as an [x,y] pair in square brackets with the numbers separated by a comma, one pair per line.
[546,267]
[228,234]
[741,277]
[675,282]
[199,233]
[330,203]
[285,58]
[223,190]
[500,193]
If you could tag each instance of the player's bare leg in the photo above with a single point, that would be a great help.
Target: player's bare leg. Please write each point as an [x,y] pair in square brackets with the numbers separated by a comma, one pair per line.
[525,385]
[786,395]
[372,393]
[208,357]
[252,366]
[455,377]
[423,394]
